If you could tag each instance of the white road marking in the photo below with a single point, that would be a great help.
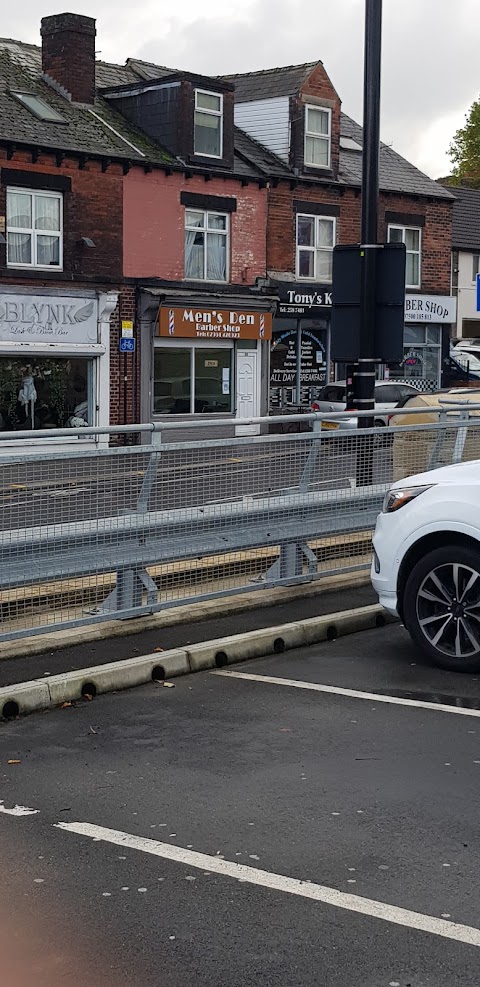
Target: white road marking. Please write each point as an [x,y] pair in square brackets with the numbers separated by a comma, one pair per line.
[18,810]
[350,693]
[279,882]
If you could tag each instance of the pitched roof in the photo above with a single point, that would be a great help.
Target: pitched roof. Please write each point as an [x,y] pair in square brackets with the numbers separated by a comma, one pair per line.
[248,149]
[97,130]
[270,83]
[396,173]
[466,218]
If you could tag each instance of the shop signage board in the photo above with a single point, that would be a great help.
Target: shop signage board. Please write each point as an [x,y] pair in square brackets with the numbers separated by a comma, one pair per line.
[283,365]
[307,299]
[202,323]
[26,318]
[430,308]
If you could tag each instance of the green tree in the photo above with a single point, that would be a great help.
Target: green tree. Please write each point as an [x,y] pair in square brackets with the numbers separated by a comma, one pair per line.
[464,151]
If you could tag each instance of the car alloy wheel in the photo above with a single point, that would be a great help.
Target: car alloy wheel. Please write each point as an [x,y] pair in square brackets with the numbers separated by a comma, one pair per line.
[448,610]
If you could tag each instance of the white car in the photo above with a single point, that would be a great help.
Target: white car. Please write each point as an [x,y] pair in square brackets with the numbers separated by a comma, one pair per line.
[388,395]
[426,562]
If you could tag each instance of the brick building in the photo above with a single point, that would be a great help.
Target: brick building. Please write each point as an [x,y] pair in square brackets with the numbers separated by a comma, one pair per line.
[61,215]
[195,244]
[295,112]
[99,207]
[187,210]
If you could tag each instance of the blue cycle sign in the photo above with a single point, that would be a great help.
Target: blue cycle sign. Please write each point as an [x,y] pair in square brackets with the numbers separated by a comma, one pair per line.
[127,345]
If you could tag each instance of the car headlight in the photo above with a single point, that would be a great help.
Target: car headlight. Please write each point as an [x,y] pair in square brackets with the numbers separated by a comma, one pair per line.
[395,499]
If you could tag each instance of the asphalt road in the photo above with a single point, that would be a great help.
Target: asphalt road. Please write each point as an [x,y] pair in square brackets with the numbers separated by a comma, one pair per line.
[79,488]
[249,832]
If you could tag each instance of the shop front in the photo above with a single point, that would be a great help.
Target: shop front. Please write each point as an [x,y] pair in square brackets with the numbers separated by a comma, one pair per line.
[54,361]
[300,350]
[204,359]
[428,323]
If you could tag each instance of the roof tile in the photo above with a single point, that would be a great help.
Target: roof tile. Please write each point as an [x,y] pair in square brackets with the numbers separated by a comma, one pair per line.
[466,218]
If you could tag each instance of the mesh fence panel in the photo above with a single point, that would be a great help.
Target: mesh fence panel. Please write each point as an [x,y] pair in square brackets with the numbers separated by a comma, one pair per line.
[128,530]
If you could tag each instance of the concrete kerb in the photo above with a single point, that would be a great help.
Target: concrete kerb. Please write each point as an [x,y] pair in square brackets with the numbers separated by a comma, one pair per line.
[179,615]
[72,686]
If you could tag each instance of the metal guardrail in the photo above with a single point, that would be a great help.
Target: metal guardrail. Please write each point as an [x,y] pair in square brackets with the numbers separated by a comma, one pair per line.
[123,531]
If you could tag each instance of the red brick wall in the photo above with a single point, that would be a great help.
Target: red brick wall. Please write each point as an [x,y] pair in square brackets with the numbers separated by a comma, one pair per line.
[436,234]
[154,225]
[93,208]
[124,370]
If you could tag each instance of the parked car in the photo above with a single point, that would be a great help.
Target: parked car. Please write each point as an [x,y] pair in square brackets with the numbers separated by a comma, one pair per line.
[462,366]
[388,395]
[426,562]
[471,345]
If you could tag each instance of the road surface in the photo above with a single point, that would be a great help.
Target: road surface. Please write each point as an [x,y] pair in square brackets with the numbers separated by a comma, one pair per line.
[77,488]
[316,824]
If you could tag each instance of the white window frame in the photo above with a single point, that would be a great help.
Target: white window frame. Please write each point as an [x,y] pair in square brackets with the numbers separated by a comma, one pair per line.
[213,113]
[34,233]
[183,343]
[475,267]
[205,230]
[315,248]
[323,137]
[403,229]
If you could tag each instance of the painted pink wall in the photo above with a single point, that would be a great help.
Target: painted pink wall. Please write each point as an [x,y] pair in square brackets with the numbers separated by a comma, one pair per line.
[153,225]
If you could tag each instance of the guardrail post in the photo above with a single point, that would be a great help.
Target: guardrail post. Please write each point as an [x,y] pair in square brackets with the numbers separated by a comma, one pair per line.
[311,461]
[151,471]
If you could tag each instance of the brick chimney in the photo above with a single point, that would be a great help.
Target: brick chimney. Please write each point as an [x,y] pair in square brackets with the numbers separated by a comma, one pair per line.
[68,54]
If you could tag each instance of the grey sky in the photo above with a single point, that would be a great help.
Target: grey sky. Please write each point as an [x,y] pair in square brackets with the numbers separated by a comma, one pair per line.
[430,51]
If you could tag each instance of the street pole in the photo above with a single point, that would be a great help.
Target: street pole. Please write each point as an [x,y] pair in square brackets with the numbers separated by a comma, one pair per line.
[364,376]
[364,383]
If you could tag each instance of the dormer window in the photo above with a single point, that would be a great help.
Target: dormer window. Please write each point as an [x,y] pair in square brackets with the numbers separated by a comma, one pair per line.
[208,124]
[317,136]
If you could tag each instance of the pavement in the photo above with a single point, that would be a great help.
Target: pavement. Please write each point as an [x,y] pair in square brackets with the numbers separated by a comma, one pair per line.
[25,666]
[305,819]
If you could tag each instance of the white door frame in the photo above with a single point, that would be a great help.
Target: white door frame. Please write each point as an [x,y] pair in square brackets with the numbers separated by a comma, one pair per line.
[257,360]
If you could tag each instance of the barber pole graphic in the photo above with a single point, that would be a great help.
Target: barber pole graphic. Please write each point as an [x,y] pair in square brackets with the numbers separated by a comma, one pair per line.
[171,322]
[262,326]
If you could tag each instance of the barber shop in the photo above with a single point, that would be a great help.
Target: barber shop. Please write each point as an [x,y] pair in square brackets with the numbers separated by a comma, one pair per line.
[428,324]
[204,357]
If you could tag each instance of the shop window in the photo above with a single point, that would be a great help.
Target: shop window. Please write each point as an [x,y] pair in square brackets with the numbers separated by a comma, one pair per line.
[317,136]
[206,245]
[315,243]
[34,229]
[45,393]
[412,238]
[208,138]
[192,380]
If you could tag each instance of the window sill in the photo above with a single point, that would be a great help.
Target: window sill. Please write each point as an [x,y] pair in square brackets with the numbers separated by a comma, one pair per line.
[25,268]
[204,281]
[317,171]
[313,280]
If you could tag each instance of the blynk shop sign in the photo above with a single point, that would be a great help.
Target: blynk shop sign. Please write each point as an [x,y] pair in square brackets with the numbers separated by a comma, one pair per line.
[47,318]
[201,323]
